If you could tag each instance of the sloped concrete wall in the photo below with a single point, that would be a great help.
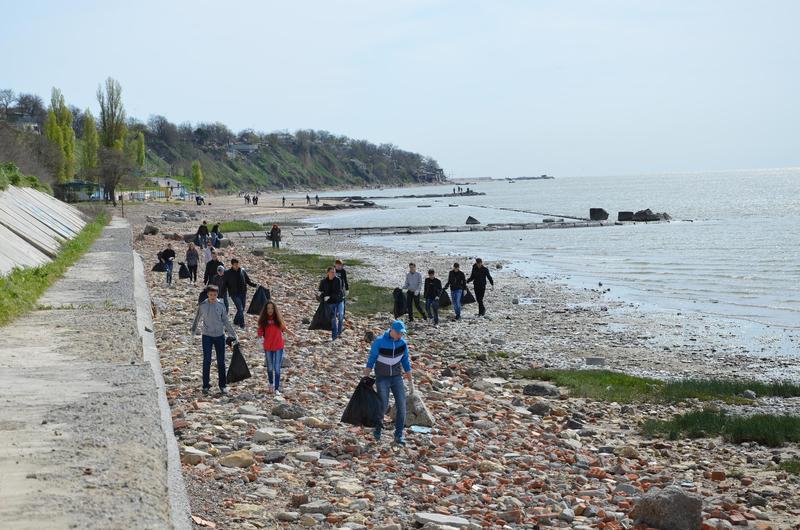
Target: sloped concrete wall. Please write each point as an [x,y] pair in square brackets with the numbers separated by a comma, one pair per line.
[33,226]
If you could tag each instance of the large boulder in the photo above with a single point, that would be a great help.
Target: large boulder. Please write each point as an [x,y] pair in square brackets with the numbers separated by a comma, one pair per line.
[472,221]
[540,389]
[243,458]
[598,214]
[150,230]
[417,412]
[649,215]
[670,508]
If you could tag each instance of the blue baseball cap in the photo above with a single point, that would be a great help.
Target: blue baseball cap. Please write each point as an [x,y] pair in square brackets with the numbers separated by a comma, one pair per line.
[399,327]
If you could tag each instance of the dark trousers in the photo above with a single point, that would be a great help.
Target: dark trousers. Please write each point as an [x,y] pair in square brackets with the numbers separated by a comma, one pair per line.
[480,290]
[238,301]
[432,308]
[219,345]
[276,243]
[412,299]
[192,273]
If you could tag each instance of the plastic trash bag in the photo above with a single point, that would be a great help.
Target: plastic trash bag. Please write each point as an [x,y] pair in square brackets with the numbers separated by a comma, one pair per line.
[444,300]
[159,267]
[322,318]
[399,302]
[364,408]
[238,370]
[467,298]
[260,299]
[183,271]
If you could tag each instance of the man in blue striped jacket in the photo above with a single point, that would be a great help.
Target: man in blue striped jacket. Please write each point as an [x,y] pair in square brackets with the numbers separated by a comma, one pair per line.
[389,356]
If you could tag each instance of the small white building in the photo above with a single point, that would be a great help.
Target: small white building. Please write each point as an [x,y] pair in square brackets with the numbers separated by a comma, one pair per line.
[175,187]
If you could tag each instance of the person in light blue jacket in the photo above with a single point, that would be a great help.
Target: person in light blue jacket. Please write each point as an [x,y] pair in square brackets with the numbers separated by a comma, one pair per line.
[391,361]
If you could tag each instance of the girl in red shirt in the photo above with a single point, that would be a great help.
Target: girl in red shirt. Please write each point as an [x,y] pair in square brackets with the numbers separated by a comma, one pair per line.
[272,327]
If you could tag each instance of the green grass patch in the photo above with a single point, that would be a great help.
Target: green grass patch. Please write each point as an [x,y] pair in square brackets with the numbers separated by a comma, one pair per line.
[240,225]
[606,385]
[766,429]
[20,289]
[314,264]
[792,465]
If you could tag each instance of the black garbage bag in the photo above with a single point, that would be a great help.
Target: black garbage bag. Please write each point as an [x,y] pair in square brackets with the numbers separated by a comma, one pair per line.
[322,318]
[364,408]
[399,302]
[183,271]
[467,298]
[159,267]
[202,296]
[238,370]
[444,300]
[260,299]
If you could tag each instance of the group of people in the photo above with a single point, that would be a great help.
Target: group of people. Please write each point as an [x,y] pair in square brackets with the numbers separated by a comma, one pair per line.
[308,199]
[248,199]
[204,235]
[461,190]
[431,288]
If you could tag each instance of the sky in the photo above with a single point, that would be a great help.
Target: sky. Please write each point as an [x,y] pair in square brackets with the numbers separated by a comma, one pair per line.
[494,88]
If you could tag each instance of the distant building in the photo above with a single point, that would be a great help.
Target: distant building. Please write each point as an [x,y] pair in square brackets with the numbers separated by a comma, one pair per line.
[171,186]
[23,121]
[235,150]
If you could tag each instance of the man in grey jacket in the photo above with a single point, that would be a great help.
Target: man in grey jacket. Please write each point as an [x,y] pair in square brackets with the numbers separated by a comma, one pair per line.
[413,288]
[211,321]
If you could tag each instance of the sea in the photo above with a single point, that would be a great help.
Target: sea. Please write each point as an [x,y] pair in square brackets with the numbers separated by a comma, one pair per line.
[732,250]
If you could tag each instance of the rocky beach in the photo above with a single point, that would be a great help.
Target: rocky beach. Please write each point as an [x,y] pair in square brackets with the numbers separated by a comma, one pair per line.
[504,451]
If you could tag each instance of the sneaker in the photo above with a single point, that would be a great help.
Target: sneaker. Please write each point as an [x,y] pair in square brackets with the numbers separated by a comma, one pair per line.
[400,441]
[206,391]
[224,390]
[277,393]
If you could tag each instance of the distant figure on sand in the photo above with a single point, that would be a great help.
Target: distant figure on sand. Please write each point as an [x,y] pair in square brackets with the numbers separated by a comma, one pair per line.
[212,322]
[255,200]
[283,202]
[331,290]
[168,257]
[308,199]
[317,198]
[457,283]
[192,259]
[413,288]
[479,275]
[389,356]
[236,282]
[275,236]
[272,327]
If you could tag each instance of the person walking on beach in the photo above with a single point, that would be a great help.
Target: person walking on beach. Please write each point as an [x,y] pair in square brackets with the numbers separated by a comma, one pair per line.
[235,284]
[413,288]
[331,289]
[202,234]
[275,236]
[479,275]
[218,280]
[212,322]
[272,327]
[317,199]
[391,361]
[341,273]
[308,199]
[433,288]
[208,252]
[457,283]
[192,259]
[168,257]
[214,234]
[211,267]
[283,202]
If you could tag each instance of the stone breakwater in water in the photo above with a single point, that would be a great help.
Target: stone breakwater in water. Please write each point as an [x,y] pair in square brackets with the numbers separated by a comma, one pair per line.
[497,456]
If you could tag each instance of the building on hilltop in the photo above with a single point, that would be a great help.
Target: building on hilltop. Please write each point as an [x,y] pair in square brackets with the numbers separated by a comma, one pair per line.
[235,150]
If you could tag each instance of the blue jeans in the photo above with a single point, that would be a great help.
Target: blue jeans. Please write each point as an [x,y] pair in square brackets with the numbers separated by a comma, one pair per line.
[169,266]
[455,294]
[202,241]
[238,301]
[395,384]
[273,360]
[219,345]
[214,238]
[432,308]
[276,243]
[337,319]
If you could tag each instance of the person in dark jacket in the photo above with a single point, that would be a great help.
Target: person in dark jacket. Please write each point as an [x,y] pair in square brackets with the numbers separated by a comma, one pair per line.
[192,259]
[480,275]
[211,267]
[168,257]
[235,286]
[341,273]
[433,288]
[331,290]
[389,356]
[275,236]
[214,234]
[218,280]
[202,234]
[457,283]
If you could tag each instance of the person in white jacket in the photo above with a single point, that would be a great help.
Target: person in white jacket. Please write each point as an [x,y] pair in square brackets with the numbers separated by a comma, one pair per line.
[413,288]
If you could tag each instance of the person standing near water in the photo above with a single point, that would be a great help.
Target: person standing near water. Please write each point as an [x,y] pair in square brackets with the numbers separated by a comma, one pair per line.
[275,236]
[457,283]
[212,322]
[283,202]
[480,275]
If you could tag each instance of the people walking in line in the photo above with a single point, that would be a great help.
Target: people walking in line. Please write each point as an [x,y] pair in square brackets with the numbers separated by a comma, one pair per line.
[236,282]
[433,289]
[341,273]
[212,322]
[202,234]
[271,326]
[168,257]
[192,259]
[214,235]
[275,236]
[391,361]
[331,289]
[211,267]
[413,288]
[479,275]
[457,283]
[208,251]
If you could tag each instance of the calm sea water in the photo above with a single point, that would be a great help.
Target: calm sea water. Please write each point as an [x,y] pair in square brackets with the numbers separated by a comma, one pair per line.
[733,251]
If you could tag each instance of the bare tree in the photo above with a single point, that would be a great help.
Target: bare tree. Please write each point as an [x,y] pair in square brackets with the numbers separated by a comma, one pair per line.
[7,98]
[32,105]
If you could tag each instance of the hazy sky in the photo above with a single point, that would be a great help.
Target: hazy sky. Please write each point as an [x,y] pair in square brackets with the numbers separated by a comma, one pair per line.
[495,88]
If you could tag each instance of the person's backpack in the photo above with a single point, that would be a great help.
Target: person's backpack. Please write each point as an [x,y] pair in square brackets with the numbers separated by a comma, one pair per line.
[322,318]
[238,370]
[399,302]
[259,301]
[364,407]
[183,271]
